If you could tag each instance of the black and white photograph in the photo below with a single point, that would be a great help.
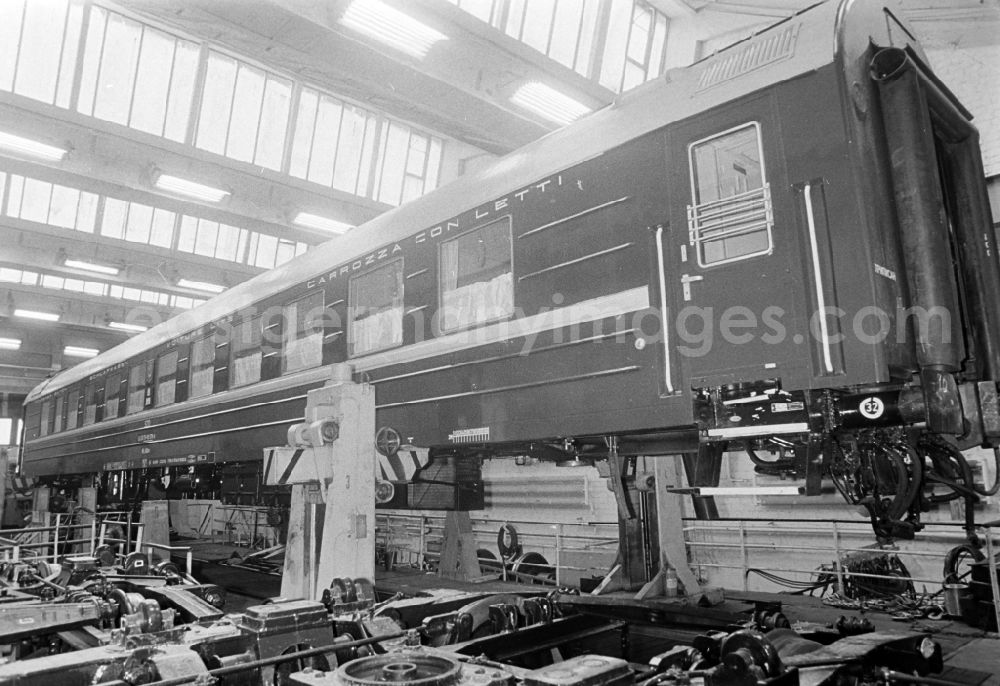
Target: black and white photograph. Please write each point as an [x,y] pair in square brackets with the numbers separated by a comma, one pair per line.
[500,342]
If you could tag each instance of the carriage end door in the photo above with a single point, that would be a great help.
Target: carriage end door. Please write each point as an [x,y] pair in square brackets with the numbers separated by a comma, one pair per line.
[736,318]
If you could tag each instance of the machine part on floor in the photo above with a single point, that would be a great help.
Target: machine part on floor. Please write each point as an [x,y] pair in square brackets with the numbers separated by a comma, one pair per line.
[486,615]
[147,618]
[136,563]
[23,620]
[495,640]
[221,651]
[411,668]
[349,595]
[958,561]
[591,670]
[749,652]
[852,626]
[429,668]
[533,568]
[768,618]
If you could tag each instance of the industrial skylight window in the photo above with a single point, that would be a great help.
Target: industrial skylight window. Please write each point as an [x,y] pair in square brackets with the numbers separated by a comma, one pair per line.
[388,25]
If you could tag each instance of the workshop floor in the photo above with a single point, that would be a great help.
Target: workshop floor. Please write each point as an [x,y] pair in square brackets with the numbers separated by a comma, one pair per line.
[972,656]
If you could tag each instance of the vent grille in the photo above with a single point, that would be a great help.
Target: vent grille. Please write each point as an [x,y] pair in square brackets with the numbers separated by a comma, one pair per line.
[478,435]
[753,55]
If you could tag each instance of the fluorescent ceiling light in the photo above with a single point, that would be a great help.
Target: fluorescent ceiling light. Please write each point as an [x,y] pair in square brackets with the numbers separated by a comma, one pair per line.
[77,351]
[10,343]
[201,286]
[315,221]
[92,267]
[388,25]
[198,191]
[122,326]
[547,102]
[34,314]
[32,148]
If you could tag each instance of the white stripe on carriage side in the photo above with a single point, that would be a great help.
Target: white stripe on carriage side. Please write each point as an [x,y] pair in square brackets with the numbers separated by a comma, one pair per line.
[620,303]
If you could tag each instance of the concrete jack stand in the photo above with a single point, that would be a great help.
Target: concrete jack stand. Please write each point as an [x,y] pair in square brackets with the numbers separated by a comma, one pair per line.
[458,550]
[155,518]
[330,464]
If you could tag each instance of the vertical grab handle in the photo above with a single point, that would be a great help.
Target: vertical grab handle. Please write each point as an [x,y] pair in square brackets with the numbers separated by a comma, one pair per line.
[667,376]
[818,279]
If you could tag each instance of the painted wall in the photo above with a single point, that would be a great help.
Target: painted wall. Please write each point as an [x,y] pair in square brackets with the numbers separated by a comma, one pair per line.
[973,74]
[720,543]
[791,536]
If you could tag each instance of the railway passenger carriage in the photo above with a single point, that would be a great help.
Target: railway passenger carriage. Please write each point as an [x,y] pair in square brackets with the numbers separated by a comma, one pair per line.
[721,259]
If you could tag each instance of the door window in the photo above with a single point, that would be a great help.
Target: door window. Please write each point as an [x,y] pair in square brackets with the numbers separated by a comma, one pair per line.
[731,217]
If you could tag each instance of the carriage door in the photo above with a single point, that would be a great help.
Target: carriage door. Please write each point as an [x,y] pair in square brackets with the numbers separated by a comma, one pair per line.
[730,255]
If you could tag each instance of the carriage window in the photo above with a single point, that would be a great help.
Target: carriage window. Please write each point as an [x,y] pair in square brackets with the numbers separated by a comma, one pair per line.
[111,401]
[302,342]
[90,404]
[246,355]
[139,378]
[202,367]
[72,409]
[44,429]
[476,281]
[60,405]
[376,312]
[166,378]
[731,216]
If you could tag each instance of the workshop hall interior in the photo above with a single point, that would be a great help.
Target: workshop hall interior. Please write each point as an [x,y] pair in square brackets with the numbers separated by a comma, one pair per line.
[500,342]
